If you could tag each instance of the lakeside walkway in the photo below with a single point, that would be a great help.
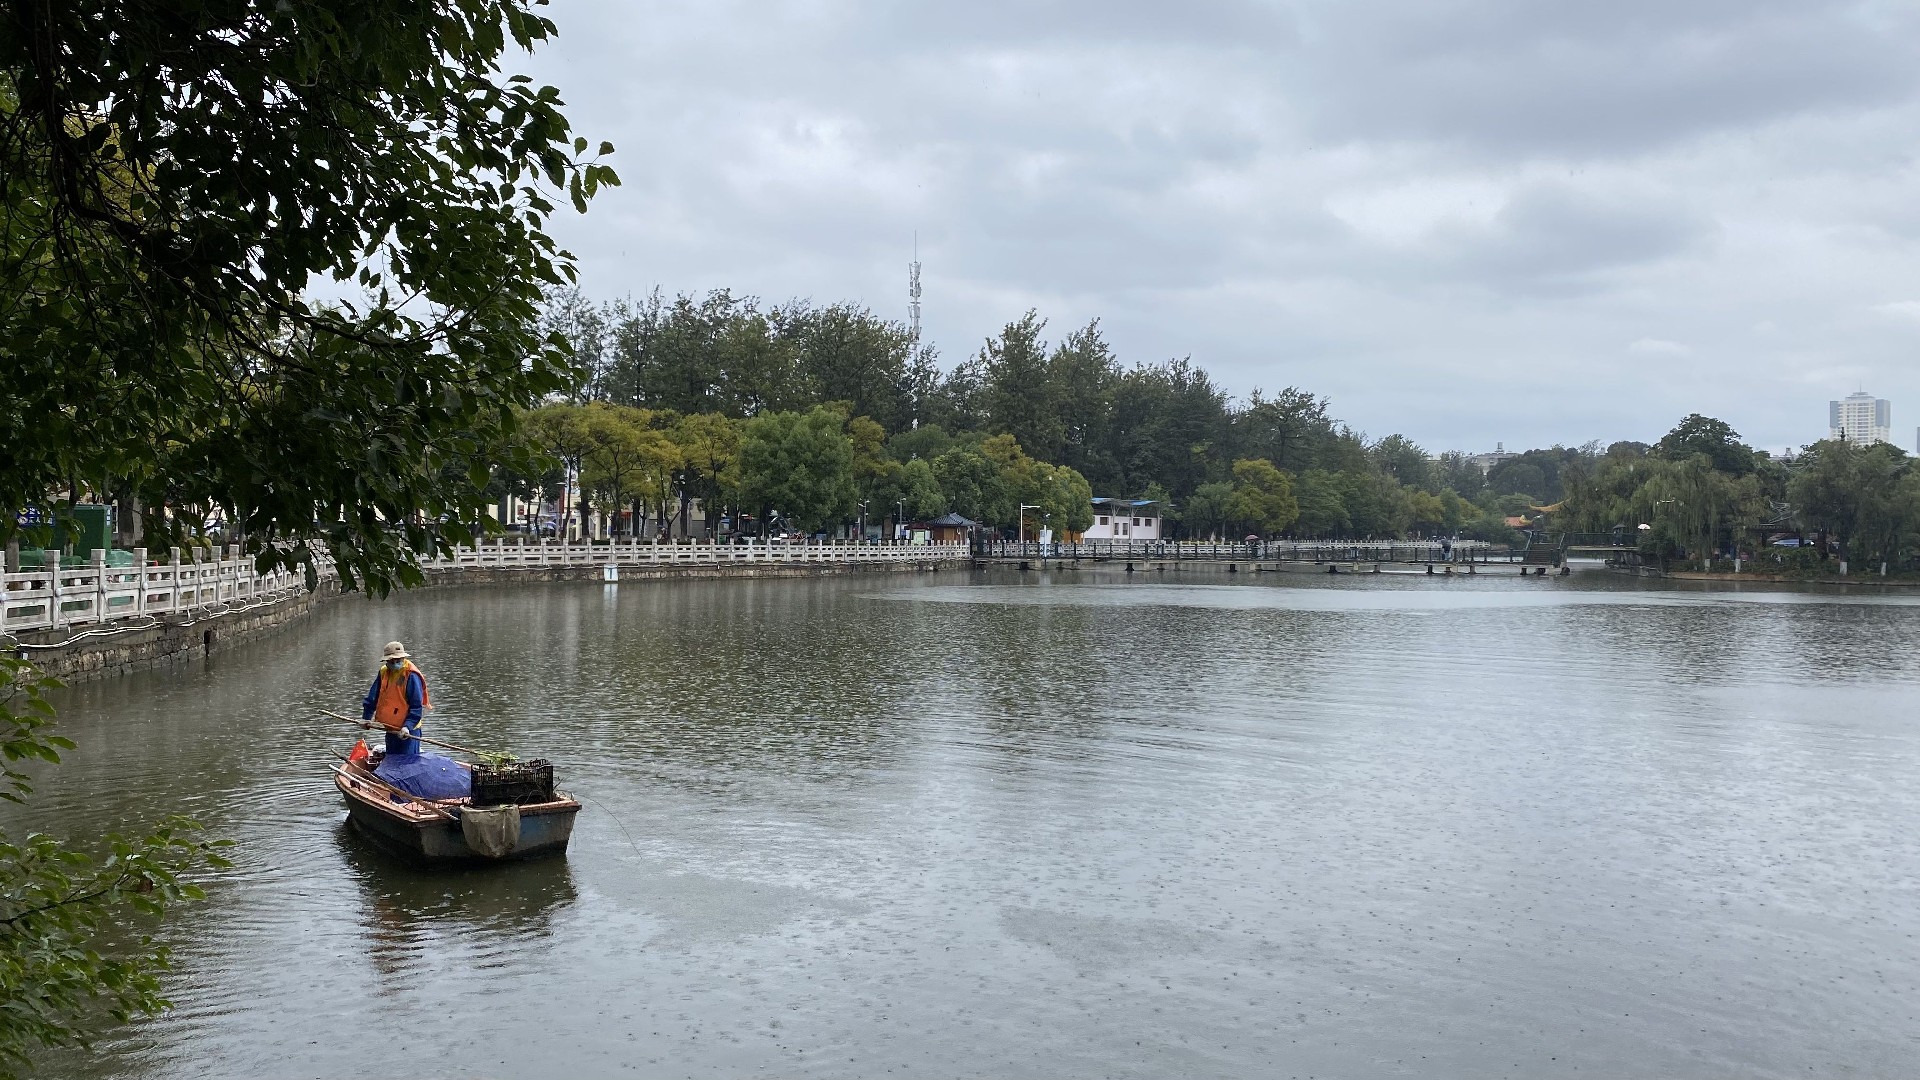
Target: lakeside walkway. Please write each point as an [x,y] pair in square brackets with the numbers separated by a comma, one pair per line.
[200,582]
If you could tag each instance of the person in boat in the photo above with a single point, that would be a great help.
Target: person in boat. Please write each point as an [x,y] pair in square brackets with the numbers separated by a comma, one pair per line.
[396,699]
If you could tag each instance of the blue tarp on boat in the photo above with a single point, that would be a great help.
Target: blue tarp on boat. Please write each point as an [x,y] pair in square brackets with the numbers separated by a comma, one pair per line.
[430,776]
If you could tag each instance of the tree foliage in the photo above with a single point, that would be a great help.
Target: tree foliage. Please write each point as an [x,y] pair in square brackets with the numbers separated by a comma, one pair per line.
[627,458]
[1698,491]
[1207,509]
[1323,507]
[58,982]
[1262,497]
[1163,428]
[1705,436]
[710,454]
[799,464]
[1867,498]
[173,178]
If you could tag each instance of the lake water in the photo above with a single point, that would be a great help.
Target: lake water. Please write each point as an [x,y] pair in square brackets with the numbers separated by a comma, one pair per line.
[1065,825]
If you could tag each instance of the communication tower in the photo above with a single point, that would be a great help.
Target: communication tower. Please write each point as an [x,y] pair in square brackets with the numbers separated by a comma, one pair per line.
[913,296]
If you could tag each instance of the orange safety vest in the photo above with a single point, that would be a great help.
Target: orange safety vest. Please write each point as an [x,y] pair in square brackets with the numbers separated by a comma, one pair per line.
[390,708]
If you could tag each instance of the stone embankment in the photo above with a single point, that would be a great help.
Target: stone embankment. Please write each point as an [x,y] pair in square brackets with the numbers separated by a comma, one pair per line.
[116,620]
[96,652]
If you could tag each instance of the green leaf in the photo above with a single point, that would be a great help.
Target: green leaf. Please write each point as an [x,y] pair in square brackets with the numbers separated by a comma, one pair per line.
[175,302]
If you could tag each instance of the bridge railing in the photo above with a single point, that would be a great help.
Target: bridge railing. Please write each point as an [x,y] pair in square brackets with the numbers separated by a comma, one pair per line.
[1253,550]
[188,582]
[1620,540]
[652,553]
[197,581]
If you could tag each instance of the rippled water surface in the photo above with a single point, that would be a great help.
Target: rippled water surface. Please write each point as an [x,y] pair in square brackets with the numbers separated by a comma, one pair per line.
[1068,825]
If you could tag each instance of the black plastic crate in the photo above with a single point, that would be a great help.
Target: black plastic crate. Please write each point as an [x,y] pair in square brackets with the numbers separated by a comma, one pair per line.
[518,784]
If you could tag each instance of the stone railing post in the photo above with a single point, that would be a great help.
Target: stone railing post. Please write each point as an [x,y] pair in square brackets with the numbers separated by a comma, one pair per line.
[51,560]
[173,577]
[99,584]
[140,579]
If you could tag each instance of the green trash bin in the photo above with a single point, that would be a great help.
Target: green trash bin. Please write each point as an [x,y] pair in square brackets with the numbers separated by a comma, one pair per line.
[94,522]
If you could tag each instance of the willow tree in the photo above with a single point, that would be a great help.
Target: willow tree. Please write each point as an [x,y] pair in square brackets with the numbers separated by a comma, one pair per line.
[283,258]
[1694,503]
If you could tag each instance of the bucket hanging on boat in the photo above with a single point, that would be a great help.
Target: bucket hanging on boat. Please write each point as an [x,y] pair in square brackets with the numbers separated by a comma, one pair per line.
[493,832]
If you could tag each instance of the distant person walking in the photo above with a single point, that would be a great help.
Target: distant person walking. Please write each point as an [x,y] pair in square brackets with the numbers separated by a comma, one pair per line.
[396,699]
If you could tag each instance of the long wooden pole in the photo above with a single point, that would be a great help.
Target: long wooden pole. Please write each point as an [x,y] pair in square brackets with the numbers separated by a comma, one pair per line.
[422,738]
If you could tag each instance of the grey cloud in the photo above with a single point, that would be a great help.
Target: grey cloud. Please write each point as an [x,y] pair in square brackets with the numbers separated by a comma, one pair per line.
[1554,236]
[1528,78]
[1532,181]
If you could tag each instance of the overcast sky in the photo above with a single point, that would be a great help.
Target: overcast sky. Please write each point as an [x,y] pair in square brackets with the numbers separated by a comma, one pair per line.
[1470,222]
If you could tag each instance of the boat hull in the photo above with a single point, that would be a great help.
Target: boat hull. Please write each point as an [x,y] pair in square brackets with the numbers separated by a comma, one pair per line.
[430,833]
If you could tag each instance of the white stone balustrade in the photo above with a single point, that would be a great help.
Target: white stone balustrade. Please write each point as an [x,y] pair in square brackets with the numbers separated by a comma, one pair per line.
[1283,550]
[197,581]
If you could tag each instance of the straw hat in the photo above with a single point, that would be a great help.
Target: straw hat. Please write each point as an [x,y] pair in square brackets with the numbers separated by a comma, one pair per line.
[394,651]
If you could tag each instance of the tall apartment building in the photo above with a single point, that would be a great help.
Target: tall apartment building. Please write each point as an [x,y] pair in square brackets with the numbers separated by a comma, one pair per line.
[1861,419]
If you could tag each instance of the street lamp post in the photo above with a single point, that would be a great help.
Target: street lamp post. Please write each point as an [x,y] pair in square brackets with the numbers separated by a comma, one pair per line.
[1024,507]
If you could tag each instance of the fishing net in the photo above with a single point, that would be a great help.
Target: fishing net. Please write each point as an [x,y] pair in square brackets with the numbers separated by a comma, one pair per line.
[493,832]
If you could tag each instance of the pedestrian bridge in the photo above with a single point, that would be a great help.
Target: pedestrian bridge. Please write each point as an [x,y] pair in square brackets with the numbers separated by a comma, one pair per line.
[1310,551]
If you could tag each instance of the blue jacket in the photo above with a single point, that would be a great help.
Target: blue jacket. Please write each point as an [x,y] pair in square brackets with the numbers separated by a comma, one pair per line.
[416,699]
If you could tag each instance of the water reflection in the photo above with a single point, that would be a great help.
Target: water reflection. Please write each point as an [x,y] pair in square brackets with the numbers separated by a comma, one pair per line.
[413,915]
[1141,826]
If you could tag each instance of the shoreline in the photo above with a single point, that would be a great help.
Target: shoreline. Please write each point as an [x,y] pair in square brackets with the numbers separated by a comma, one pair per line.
[1783,579]
[100,652]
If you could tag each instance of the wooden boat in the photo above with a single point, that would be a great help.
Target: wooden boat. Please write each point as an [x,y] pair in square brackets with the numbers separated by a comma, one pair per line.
[429,830]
